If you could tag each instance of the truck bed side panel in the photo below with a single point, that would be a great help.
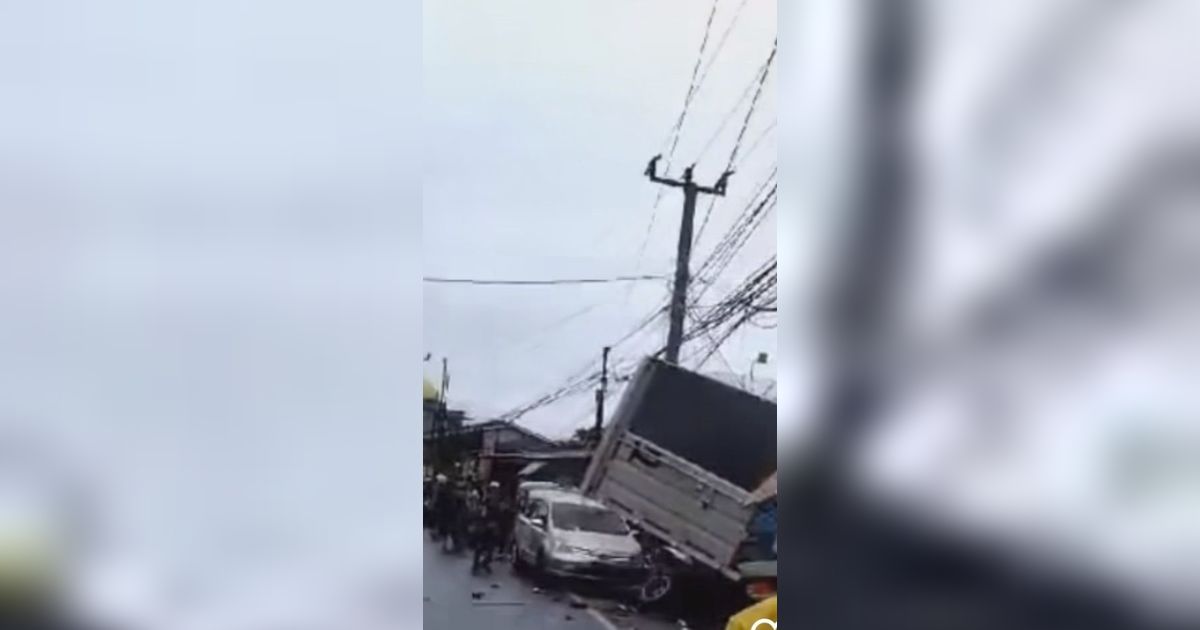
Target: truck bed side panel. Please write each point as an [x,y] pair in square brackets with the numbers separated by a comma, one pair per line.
[696,511]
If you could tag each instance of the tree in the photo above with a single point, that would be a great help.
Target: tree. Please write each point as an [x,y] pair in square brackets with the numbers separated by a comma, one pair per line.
[585,436]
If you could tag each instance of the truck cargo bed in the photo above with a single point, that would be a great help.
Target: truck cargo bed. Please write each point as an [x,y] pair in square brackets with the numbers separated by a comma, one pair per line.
[681,456]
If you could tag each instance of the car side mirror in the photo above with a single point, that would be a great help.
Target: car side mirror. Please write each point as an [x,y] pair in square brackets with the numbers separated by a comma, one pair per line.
[538,522]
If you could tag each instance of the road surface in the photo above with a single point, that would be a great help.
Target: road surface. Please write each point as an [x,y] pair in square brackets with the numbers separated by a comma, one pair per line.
[507,602]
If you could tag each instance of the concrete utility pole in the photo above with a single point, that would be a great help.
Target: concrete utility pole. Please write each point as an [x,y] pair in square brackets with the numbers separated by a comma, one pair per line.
[691,191]
[440,419]
[601,393]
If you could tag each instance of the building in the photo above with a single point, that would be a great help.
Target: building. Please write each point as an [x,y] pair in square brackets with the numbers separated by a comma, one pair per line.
[503,447]
[492,436]
[566,466]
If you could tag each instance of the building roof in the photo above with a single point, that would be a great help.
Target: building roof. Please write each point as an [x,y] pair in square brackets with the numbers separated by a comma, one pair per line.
[504,424]
[544,455]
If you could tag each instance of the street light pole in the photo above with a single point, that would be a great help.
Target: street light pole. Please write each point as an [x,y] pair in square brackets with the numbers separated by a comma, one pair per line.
[761,359]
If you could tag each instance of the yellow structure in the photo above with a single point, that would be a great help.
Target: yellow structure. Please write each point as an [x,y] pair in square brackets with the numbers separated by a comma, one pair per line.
[760,616]
[429,393]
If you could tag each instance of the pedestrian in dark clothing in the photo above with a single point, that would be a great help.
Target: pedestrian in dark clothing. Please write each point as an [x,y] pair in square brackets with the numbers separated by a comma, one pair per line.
[486,538]
[460,519]
[454,509]
[506,515]
[442,504]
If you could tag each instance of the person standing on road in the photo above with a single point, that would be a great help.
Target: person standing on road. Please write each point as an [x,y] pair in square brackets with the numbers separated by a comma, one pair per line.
[439,506]
[506,515]
[487,529]
[448,515]
[459,518]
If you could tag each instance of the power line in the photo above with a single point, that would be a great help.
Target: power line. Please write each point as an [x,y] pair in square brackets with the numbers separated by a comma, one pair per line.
[735,238]
[762,80]
[754,145]
[586,377]
[755,293]
[542,335]
[758,190]
[693,85]
[753,296]
[720,355]
[753,87]
[558,281]
[672,140]
[721,43]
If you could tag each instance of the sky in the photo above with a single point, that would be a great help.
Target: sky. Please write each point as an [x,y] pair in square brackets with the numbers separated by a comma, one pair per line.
[539,119]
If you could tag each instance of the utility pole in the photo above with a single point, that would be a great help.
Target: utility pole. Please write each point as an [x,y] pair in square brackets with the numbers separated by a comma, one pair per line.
[445,379]
[601,393]
[691,191]
[441,419]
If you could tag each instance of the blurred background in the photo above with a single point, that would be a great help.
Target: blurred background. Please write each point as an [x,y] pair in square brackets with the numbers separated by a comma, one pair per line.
[209,231]
[990,237]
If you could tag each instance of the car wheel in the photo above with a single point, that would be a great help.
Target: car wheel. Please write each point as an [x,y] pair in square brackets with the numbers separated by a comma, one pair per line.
[655,589]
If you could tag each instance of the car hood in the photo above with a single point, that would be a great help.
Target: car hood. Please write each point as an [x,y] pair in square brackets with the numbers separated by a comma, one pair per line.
[601,544]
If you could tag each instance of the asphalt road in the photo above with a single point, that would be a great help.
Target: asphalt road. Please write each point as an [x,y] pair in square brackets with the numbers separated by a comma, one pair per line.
[508,602]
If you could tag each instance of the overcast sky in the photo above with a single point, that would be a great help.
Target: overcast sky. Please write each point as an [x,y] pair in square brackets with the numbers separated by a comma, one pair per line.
[539,119]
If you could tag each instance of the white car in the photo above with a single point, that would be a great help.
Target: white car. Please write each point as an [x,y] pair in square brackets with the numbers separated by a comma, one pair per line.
[565,534]
[526,487]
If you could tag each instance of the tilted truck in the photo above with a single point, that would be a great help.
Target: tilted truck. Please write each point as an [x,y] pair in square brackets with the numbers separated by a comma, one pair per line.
[682,458]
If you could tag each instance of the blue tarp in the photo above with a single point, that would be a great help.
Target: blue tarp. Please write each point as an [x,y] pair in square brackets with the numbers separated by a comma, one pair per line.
[764,527]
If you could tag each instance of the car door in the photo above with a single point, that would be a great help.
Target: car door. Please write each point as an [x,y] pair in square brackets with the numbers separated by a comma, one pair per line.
[522,528]
[532,534]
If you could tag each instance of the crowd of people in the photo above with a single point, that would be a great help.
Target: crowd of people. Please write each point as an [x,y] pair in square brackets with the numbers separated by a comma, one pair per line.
[467,514]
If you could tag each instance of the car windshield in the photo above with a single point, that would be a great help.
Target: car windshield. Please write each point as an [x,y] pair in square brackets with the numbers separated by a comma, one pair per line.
[585,518]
